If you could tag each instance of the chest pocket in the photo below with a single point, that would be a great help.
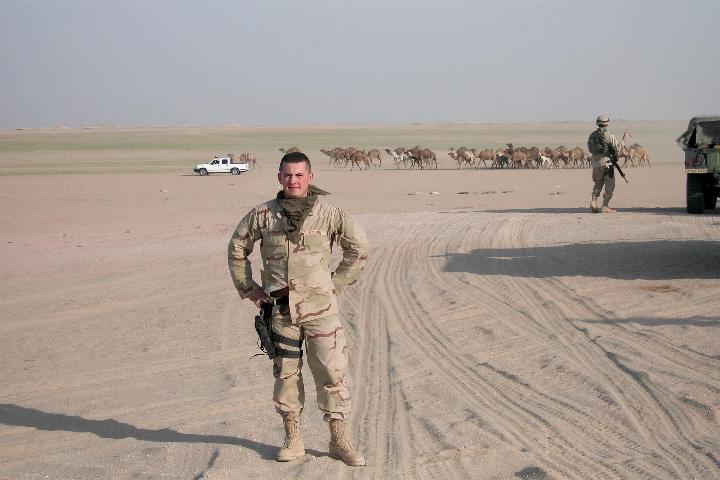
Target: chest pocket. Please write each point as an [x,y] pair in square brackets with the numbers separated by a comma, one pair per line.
[316,243]
[274,249]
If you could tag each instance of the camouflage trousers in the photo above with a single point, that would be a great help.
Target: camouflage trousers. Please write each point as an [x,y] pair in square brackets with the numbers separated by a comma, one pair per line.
[326,354]
[601,177]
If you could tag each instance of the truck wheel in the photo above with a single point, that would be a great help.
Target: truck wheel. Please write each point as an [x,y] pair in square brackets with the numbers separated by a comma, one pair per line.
[203,171]
[710,198]
[235,171]
[695,194]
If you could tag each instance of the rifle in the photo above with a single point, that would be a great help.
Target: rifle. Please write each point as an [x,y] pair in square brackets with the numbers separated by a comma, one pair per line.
[614,160]
[615,164]
[263,327]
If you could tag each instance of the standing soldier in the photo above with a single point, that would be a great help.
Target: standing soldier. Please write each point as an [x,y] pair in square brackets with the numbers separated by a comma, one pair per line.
[297,230]
[603,147]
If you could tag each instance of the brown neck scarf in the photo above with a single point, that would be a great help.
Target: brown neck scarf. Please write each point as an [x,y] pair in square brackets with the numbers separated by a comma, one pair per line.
[296,210]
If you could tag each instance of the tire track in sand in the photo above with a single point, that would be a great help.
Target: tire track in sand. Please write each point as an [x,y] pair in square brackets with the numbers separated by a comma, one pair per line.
[433,349]
[544,311]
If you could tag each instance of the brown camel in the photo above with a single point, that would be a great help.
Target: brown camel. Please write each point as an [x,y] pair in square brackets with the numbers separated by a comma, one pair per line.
[638,155]
[557,156]
[484,156]
[359,158]
[423,157]
[577,157]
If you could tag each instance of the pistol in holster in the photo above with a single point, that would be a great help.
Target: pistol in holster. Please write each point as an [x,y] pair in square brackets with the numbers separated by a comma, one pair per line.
[263,327]
[268,338]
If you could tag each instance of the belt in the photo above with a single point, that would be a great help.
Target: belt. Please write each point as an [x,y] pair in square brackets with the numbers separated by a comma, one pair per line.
[281,296]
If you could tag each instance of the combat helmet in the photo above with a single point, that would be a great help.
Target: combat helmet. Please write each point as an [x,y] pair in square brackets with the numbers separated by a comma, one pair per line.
[602,121]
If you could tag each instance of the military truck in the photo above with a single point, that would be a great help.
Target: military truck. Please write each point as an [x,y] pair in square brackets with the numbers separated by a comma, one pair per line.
[701,142]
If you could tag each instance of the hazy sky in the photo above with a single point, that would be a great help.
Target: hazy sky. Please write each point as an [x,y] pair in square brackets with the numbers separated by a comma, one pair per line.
[276,62]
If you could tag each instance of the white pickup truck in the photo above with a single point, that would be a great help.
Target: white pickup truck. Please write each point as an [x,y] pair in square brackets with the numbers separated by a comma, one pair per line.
[221,165]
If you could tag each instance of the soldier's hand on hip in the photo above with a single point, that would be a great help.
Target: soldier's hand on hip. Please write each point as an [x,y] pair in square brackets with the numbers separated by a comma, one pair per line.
[258,297]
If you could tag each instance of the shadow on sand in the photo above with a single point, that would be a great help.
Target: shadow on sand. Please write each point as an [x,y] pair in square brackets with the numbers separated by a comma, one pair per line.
[674,211]
[29,417]
[652,260]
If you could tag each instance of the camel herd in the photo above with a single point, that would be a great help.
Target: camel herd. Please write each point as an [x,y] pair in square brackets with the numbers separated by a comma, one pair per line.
[416,156]
[507,157]
[533,157]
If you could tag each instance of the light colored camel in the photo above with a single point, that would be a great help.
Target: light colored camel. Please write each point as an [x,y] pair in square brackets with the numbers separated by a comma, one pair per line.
[398,155]
[461,157]
[244,157]
[289,150]
[374,153]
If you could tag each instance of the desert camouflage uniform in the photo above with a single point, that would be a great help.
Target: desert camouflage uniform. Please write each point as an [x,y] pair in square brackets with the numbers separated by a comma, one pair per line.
[599,144]
[312,313]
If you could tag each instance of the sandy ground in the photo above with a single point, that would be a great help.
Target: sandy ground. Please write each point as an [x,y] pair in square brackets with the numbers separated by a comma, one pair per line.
[501,333]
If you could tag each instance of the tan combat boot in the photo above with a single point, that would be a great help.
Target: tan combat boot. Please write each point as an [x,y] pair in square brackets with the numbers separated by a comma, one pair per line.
[340,447]
[606,208]
[294,447]
[593,205]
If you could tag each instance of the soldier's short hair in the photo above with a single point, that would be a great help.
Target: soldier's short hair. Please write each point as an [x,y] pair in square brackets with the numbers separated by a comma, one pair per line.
[295,157]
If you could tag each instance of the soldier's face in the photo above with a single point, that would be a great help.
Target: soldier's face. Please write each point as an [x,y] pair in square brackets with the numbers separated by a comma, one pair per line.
[295,179]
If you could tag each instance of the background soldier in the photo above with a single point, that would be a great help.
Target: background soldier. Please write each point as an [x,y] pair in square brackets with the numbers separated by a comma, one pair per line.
[297,231]
[603,146]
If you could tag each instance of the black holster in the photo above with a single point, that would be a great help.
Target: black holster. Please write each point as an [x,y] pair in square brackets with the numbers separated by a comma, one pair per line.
[263,327]
[611,171]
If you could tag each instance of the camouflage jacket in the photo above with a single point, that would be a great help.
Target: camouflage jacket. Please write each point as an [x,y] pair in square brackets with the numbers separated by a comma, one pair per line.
[302,266]
[600,145]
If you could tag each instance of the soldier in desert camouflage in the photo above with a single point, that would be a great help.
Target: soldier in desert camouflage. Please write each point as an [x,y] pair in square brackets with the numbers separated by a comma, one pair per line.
[602,146]
[297,231]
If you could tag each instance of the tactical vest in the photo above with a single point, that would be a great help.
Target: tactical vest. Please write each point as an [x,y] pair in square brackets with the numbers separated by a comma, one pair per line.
[598,144]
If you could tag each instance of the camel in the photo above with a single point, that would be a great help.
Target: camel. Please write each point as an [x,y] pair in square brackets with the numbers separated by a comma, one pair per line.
[398,155]
[577,157]
[638,152]
[359,158]
[532,155]
[289,150]
[467,155]
[517,157]
[501,160]
[424,157]
[557,156]
[484,156]
[452,154]
[336,155]
[462,156]
[372,154]
[244,157]
[329,154]
[413,158]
